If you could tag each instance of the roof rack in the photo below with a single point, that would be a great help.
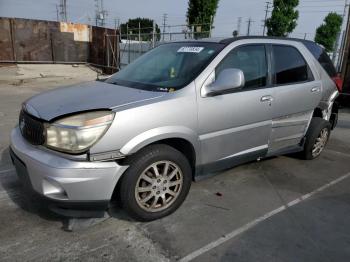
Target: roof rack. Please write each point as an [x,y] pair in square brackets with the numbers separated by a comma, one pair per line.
[234,39]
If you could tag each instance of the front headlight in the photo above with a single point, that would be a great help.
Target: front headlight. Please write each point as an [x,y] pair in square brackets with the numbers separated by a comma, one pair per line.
[75,134]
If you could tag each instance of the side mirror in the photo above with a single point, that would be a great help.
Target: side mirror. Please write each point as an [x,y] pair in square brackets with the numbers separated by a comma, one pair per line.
[228,80]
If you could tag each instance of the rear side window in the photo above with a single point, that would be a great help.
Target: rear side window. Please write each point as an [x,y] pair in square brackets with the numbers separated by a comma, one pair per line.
[321,55]
[290,66]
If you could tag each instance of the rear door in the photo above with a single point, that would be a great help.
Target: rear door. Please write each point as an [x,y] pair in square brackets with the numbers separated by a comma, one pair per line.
[297,92]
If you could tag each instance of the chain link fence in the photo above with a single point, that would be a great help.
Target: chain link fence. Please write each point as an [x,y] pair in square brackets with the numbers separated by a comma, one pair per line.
[125,48]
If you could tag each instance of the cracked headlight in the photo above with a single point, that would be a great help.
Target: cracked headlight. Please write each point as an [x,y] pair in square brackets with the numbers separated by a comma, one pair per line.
[77,133]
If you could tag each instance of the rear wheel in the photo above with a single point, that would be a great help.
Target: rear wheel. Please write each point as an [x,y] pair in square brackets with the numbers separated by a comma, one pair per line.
[316,138]
[156,183]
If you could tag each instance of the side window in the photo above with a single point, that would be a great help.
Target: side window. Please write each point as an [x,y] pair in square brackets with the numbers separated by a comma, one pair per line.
[290,66]
[321,55]
[251,59]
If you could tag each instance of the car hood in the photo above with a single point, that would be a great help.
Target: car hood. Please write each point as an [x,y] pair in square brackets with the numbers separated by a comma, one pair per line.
[83,97]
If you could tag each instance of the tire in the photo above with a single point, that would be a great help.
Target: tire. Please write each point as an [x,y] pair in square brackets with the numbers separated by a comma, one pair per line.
[319,129]
[146,196]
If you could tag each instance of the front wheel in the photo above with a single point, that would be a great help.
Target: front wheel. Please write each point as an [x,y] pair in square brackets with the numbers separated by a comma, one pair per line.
[156,183]
[316,138]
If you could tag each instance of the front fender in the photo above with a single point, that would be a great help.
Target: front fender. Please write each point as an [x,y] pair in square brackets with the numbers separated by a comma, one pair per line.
[161,133]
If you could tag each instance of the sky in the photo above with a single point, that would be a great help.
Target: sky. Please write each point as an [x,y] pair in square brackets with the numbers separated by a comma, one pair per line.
[312,13]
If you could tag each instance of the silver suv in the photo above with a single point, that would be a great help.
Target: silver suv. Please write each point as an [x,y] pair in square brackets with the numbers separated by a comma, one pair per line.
[181,110]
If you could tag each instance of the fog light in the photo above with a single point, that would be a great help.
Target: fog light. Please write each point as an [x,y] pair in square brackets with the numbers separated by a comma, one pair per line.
[53,190]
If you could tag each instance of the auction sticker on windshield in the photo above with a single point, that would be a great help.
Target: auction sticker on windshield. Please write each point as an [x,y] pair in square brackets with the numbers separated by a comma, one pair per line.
[190,49]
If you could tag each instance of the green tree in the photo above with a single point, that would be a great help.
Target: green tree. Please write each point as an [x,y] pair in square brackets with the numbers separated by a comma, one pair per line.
[200,13]
[146,25]
[326,34]
[283,19]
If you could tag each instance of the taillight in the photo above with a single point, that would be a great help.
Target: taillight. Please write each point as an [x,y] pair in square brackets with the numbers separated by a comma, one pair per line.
[339,82]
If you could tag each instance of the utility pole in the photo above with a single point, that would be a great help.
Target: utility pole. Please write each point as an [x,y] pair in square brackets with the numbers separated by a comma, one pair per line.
[128,41]
[165,17]
[267,9]
[342,36]
[97,11]
[211,25]
[250,21]
[104,14]
[140,38]
[343,52]
[57,13]
[239,24]
[63,10]
[89,20]
[153,34]
[116,24]
[101,14]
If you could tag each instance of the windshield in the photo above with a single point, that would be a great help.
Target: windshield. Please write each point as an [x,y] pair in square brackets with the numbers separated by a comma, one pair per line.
[168,67]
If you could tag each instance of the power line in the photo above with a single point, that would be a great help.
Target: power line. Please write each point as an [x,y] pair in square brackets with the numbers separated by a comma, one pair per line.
[320,1]
[317,5]
[323,11]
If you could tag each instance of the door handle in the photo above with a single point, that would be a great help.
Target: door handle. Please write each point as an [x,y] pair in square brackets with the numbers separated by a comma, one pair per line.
[266,99]
[315,89]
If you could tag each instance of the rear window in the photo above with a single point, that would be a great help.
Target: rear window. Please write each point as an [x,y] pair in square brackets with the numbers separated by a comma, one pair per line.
[321,55]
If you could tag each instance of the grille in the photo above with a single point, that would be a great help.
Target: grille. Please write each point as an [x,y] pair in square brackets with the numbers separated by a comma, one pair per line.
[32,129]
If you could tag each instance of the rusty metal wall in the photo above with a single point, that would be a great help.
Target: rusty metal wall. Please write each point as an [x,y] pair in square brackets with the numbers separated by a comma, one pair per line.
[98,46]
[6,48]
[26,40]
[66,49]
[32,40]
[99,54]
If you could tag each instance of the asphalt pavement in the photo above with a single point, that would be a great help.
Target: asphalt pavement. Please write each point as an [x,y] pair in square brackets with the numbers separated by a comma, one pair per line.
[277,209]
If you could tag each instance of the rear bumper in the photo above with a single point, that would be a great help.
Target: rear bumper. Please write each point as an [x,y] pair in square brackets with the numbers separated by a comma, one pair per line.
[67,184]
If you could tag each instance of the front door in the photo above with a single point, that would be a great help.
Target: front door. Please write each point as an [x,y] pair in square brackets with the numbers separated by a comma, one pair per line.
[235,127]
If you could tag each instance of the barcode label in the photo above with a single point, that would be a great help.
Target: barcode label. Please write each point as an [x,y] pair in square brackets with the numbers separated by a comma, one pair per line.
[190,49]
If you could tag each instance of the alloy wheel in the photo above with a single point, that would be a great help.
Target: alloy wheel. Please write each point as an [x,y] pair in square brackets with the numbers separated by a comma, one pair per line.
[320,142]
[158,186]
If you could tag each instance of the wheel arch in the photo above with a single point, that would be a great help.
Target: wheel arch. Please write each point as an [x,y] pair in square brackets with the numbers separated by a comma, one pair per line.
[179,143]
[318,112]
[183,146]
[331,116]
[181,138]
